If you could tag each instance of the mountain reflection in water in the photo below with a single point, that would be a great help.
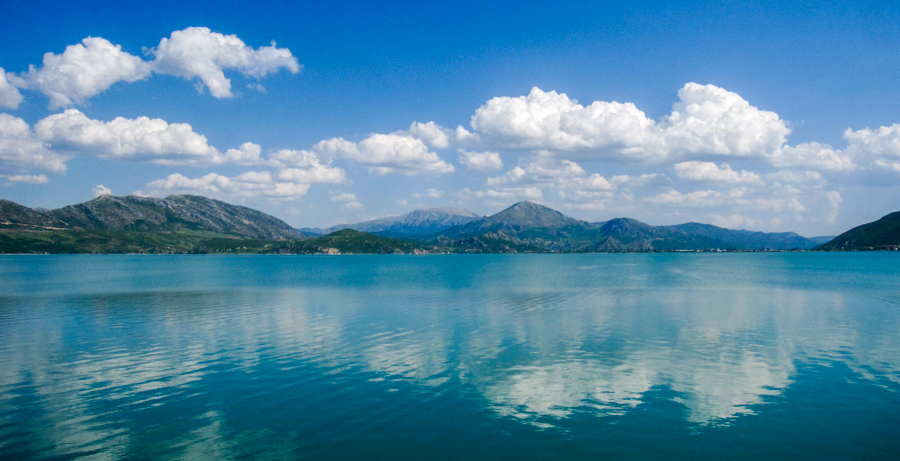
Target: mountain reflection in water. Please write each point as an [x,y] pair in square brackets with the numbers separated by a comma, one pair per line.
[117,357]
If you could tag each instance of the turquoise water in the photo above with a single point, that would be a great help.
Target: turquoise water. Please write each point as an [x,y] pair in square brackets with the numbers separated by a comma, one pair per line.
[635,356]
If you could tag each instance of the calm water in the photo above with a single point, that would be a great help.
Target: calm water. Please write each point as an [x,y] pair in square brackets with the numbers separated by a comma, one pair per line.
[691,356]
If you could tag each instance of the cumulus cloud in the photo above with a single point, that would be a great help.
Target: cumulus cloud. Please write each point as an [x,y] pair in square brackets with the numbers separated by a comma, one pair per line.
[82,71]
[248,184]
[710,172]
[306,167]
[480,161]
[198,52]
[142,138]
[540,170]
[316,174]
[89,68]
[439,137]
[801,177]
[774,206]
[881,146]
[511,193]
[813,155]
[883,141]
[577,188]
[433,135]
[644,180]
[867,150]
[550,120]
[430,193]
[21,151]
[345,197]
[710,120]
[387,153]
[10,97]
[706,121]
[247,154]
[100,189]
[27,178]
[351,202]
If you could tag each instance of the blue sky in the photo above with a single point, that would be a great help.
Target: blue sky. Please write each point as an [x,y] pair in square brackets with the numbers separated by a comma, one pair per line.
[769,116]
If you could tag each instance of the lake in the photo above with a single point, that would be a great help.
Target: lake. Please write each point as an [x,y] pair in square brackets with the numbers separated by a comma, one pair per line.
[600,356]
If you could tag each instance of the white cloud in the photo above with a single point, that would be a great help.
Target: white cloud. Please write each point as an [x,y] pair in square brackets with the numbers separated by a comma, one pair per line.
[802,177]
[199,52]
[10,97]
[316,174]
[510,177]
[595,182]
[773,206]
[287,158]
[100,189]
[306,167]
[142,138]
[387,153]
[480,161]
[867,149]
[509,193]
[248,184]
[883,141]
[432,134]
[247,154]
[567,178]
[82,71]
[541,170]
[345,197]
[354,205]
[707,121]
[430,193]
[711,120]
[880,146]
[813,156]
[710,172]
[549,120]
[27,178]
[21,151]
[644,180]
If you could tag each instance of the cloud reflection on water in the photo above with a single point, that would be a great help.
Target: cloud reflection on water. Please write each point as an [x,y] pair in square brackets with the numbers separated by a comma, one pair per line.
[531,354]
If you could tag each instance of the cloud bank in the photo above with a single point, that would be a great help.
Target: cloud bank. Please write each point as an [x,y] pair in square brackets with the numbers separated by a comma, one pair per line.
[91,67]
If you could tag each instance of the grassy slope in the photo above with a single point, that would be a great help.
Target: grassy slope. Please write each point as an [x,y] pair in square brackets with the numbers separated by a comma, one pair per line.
[885,231]
[189,241]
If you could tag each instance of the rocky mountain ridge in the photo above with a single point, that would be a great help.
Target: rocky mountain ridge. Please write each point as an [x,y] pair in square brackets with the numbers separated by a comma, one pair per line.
[417,222]
[152,214]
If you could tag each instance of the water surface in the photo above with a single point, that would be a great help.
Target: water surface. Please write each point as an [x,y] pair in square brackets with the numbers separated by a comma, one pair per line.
[635,356]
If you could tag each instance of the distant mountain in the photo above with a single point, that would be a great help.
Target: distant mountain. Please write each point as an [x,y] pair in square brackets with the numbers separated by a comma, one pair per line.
[881,234]
[194,224]
[418,222]
[528,226]
[525,215]
[150,214]
[14,215]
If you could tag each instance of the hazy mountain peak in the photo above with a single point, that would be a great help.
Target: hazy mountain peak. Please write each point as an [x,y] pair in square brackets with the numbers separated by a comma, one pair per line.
[447,211]
[531,214]
[416,222]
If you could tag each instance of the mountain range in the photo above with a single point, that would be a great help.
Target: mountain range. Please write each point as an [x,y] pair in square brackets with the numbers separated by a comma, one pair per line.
[418,222]
[151,214]
[190,223]
[535,227]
